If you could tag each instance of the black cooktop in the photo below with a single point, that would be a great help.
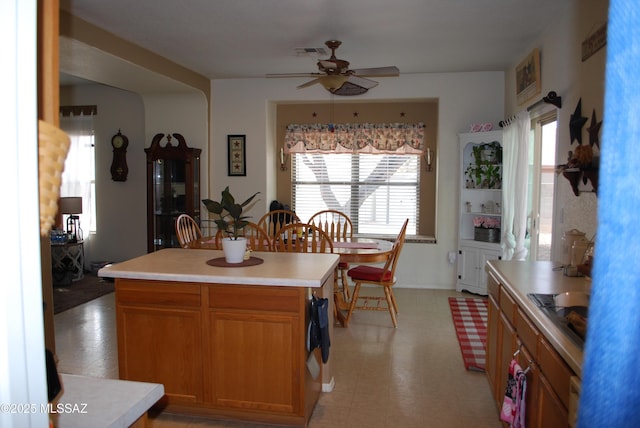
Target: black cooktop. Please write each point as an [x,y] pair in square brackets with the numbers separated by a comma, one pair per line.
[560,315]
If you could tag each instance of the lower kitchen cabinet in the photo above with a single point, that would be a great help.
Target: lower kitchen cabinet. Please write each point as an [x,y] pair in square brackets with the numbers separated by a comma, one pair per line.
[510,334]
[226,351]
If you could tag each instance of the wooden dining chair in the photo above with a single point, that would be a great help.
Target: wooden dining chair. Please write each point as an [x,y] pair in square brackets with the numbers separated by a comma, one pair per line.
[339,227]
[302,238]
[187,230]
[274,220]
[382,276]
[257,238]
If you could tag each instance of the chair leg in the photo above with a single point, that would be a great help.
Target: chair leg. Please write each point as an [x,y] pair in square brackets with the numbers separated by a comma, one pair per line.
[345,285]
[391,305]
[393,299]
[354,300]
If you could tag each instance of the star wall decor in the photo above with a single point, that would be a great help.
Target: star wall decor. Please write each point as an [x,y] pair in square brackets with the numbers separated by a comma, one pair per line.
[594,130]
[576,122]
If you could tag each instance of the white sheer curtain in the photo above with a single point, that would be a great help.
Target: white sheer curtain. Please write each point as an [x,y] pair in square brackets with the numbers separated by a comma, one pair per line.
[515,164]
[78,177]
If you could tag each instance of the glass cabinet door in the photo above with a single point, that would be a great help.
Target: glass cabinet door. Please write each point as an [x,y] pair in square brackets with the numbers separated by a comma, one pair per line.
[173,187]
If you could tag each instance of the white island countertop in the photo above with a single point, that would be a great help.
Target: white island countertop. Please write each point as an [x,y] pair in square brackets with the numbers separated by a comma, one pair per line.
[110,403]
[190,265]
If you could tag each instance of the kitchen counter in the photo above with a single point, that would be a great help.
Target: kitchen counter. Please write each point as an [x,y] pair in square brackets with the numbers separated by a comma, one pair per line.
[187,265]
[523,277]
[94,402]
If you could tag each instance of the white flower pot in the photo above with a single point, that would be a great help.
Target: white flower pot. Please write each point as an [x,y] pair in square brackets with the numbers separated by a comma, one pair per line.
[234,249]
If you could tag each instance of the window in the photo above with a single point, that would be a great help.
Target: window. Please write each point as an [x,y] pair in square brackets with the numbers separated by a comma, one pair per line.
[79,177]
[378,191]
[542,178]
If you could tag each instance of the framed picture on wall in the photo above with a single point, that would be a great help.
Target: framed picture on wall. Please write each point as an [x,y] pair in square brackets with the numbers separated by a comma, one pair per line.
[237,162]
[528,77]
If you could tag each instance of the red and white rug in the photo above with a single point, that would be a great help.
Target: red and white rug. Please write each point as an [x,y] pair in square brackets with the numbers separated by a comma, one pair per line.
[470,321]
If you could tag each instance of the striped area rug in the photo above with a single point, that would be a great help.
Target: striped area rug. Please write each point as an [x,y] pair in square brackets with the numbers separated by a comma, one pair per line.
[470,321]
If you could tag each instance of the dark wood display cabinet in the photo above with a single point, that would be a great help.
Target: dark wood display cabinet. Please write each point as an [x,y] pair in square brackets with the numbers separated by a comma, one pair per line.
[173,188]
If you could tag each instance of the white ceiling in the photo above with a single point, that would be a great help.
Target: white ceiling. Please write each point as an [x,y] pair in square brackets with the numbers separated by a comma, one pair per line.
[251,38]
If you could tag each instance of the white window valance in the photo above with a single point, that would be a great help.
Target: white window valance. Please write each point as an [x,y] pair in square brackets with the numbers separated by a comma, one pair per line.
[396,138]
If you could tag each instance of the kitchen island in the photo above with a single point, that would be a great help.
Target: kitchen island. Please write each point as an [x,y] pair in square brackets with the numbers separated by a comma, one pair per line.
[226,342]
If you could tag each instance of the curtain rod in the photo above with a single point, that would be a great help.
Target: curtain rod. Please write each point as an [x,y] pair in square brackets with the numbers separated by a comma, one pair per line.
[551,98]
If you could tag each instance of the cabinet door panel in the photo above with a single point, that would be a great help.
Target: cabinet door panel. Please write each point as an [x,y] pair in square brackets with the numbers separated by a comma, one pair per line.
[493,347]
[483,257]
[508,348]
[468,266]
[162,346]
[556,370]
[552,412]
[526,360]
[260,368]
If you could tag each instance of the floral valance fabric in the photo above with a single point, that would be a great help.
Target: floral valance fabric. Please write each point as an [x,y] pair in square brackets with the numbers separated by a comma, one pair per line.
[395,138]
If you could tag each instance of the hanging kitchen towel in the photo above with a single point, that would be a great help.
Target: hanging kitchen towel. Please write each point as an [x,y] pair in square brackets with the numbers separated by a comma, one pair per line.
[513,405]
[323,322]
[318,335]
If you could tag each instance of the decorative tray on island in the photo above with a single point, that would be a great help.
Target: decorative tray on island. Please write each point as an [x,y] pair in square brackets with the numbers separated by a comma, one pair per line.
[221,262]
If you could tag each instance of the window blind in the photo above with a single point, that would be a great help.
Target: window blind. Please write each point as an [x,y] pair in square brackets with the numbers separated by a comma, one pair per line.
[377,191]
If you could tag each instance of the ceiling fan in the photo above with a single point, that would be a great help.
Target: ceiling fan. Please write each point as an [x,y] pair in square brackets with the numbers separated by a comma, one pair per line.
[338,79]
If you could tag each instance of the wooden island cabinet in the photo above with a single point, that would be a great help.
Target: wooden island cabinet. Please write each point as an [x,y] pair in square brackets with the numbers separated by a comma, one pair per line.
[228,343]
[517,328]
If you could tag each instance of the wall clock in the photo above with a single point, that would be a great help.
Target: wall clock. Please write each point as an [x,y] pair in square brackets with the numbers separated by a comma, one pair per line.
[119,169]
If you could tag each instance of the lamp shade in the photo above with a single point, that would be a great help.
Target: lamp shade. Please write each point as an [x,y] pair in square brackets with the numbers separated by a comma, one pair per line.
[333,81]
[71,205]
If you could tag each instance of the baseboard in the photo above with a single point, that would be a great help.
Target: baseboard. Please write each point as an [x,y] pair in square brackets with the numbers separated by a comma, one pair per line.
[328,387]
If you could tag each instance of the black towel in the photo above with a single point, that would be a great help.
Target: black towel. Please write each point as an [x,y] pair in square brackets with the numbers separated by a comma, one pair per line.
[319,326]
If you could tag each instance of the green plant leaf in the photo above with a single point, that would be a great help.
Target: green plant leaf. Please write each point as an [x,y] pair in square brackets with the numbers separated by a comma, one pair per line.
[245,203]
[213,207]
[234,210]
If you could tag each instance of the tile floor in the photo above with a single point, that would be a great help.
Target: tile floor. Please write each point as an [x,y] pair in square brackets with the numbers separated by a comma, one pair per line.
[411,376]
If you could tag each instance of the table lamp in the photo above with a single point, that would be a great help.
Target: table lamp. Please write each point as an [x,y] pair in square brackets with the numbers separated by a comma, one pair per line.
[72,206]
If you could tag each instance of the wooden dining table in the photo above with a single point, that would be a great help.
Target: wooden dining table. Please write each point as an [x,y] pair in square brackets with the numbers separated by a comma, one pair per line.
[351,250]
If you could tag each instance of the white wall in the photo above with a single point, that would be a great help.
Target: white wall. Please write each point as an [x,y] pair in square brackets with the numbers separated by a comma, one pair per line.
[122,206]
[245,106]
[563,71]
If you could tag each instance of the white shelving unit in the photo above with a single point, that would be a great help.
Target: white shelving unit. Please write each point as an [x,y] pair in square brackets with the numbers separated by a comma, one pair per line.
[476,200]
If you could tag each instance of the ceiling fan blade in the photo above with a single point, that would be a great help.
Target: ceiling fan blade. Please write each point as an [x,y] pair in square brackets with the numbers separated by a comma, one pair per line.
[294,75]
[362,82]
[377,71]
[309,83]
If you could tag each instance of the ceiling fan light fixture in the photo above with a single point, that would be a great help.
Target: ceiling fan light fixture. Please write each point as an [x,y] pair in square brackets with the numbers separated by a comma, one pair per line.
[333,82]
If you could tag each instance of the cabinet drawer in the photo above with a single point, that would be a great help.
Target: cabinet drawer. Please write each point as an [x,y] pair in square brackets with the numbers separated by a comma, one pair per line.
[556,371]
[156,293]
[508,306]
[259,298]
[493,287]
[527,332]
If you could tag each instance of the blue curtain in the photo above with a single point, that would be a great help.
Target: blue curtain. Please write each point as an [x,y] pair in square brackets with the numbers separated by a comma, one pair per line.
[610,394]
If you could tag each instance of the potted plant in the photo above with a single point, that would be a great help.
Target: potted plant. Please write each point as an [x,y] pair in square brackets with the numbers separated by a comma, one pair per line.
[484,172]
[230,221]
[486,229]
